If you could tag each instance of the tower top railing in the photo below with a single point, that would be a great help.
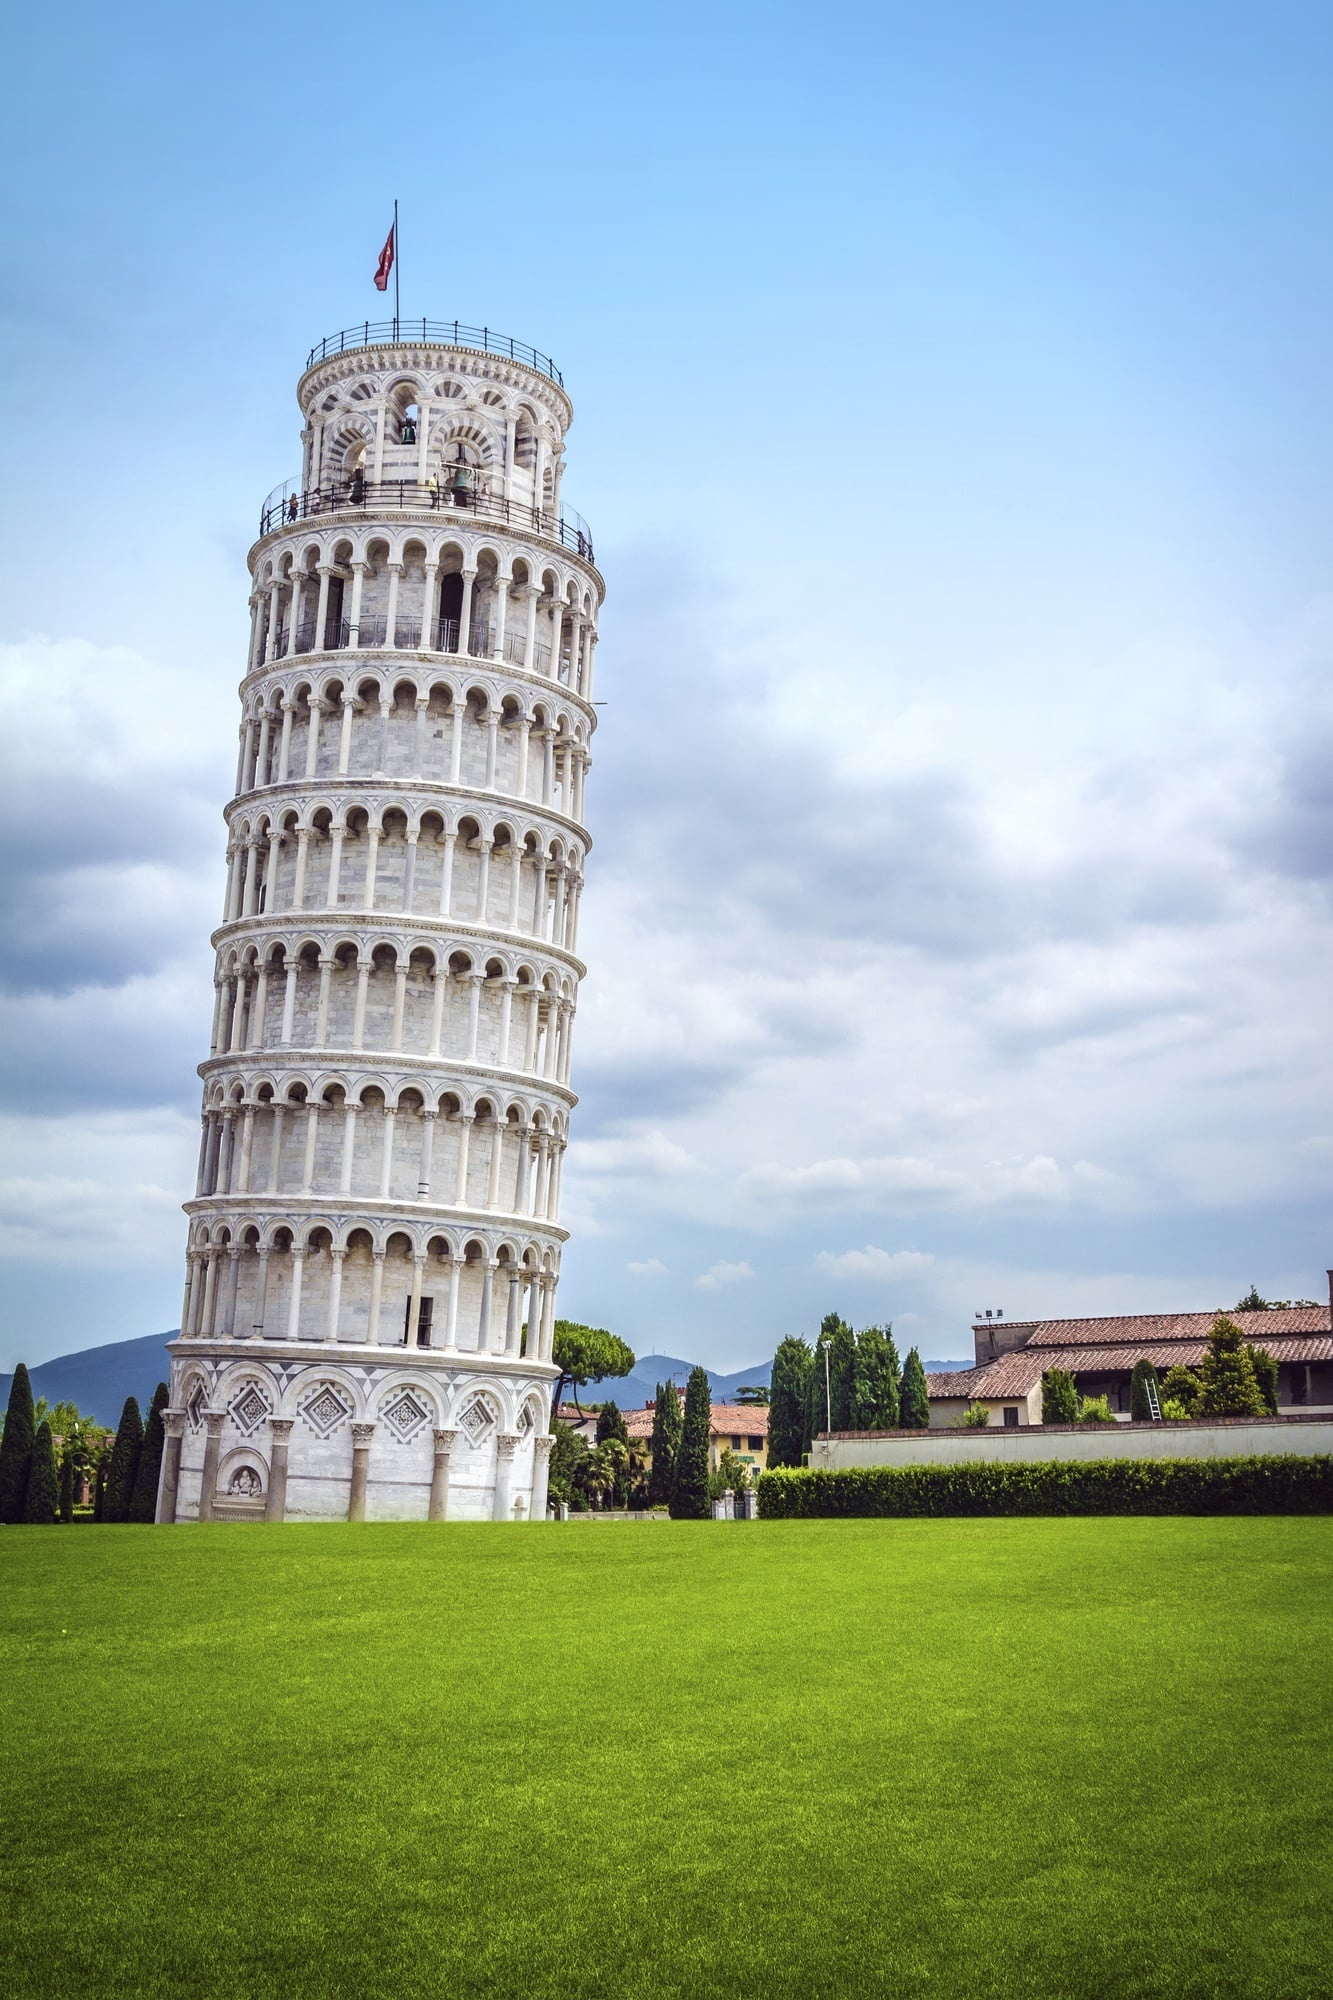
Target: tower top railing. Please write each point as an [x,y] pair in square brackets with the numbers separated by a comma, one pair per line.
[446,332]
[291,502]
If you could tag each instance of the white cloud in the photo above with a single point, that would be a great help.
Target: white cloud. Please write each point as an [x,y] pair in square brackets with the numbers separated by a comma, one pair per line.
[99,1190]
[873,1263]
[718,1275]
[650,1267]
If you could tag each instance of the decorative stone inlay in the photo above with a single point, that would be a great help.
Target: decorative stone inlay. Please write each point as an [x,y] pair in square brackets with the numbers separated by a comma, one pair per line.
[405,1415]
[477,1421]
[196,1406]
[326,1409]
[525,1420]
[249,1408]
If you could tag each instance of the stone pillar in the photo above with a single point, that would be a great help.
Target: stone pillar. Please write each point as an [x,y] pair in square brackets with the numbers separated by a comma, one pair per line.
[541,1472]
[213,1422]
[439,1482]
[356,1503]
[280,1432]
[376,1297]
[505,1446]
[168,1487]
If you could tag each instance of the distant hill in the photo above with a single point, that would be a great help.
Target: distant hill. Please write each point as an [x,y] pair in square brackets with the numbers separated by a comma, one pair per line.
[100,1378]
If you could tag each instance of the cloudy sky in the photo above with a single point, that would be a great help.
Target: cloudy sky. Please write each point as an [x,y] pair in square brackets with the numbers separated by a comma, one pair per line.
[953,420]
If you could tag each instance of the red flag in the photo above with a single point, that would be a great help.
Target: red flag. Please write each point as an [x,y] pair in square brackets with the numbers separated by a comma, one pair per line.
[385,265]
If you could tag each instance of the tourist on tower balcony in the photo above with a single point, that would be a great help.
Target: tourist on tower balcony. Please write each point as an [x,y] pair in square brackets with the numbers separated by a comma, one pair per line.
[358,493]
[293,508]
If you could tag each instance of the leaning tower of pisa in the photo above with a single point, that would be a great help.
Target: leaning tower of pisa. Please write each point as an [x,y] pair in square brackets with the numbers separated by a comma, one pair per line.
[374,1243]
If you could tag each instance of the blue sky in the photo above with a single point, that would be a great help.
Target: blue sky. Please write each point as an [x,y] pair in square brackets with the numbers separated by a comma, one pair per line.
[952,416]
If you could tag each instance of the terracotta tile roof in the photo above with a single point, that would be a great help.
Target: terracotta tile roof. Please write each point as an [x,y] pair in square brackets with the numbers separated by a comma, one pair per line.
[1014,1374]
[1113,1329]
[729,1420]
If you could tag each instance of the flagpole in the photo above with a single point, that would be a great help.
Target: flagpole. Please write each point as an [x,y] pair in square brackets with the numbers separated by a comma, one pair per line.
[395,270]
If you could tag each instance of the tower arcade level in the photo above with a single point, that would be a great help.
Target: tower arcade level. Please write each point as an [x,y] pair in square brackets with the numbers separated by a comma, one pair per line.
[374,1242]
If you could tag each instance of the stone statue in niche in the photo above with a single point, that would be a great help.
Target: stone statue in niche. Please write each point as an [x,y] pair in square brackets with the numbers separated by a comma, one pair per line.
[245,1484]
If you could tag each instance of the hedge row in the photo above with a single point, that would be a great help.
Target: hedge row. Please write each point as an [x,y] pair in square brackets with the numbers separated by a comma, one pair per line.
[1260,1485]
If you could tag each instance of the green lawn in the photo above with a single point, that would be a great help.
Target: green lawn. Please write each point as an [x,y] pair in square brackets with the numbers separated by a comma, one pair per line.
[943,1758]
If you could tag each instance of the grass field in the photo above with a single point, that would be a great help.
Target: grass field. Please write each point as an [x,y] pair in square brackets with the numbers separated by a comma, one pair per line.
[941,1758]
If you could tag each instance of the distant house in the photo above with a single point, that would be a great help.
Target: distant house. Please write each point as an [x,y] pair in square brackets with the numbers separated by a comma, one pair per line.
[1013,1355]
[740,1427]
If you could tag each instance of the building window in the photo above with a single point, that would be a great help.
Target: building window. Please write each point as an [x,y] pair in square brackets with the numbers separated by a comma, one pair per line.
[1010,1418]
[754,1444]
[735,1444]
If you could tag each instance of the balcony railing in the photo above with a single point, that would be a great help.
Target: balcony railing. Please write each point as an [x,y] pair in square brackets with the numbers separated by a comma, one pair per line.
[443,332]
[290,503]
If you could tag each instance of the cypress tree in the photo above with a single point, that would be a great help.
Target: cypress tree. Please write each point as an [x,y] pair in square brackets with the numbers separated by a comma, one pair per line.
[789,1389]
[1059,1397]
[914,1403]
[1143,1374]
[689,1487]
[610,1424]
[143,1501]
[819,1388]
[662,1443]
[67,1485]
[1226,1373]
[42,1498]
[124,1463]
[99,1494]
[842,1374]
[877,1381]
[16,1446]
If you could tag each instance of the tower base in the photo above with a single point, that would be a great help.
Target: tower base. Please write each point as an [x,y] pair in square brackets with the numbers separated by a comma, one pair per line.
[269,1432]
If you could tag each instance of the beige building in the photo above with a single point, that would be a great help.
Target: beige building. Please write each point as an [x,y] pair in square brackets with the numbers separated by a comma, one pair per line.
[1013,1355]
[739,1427]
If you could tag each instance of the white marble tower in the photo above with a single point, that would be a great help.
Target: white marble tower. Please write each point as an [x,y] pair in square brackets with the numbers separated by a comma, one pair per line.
[374,1244]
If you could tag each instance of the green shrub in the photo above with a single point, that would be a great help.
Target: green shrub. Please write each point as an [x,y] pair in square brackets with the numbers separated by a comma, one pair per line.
[1059,1397]
[978,1417]
[1271,1484]
[1095,1410]
[1182,1385]
[1174,1412]
[1228,1386]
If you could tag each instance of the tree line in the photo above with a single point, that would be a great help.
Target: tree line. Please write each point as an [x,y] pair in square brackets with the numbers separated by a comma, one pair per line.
[846,1381]
[46,1455]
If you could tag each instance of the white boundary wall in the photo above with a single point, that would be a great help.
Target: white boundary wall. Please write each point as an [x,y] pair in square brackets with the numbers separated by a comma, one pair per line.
[1029,1444]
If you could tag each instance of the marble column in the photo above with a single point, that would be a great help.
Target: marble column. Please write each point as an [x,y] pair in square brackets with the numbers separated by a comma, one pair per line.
[213,1422]
[361,1440]
[280,1432]
[173,1422]
[505,1446]
[439,1483]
